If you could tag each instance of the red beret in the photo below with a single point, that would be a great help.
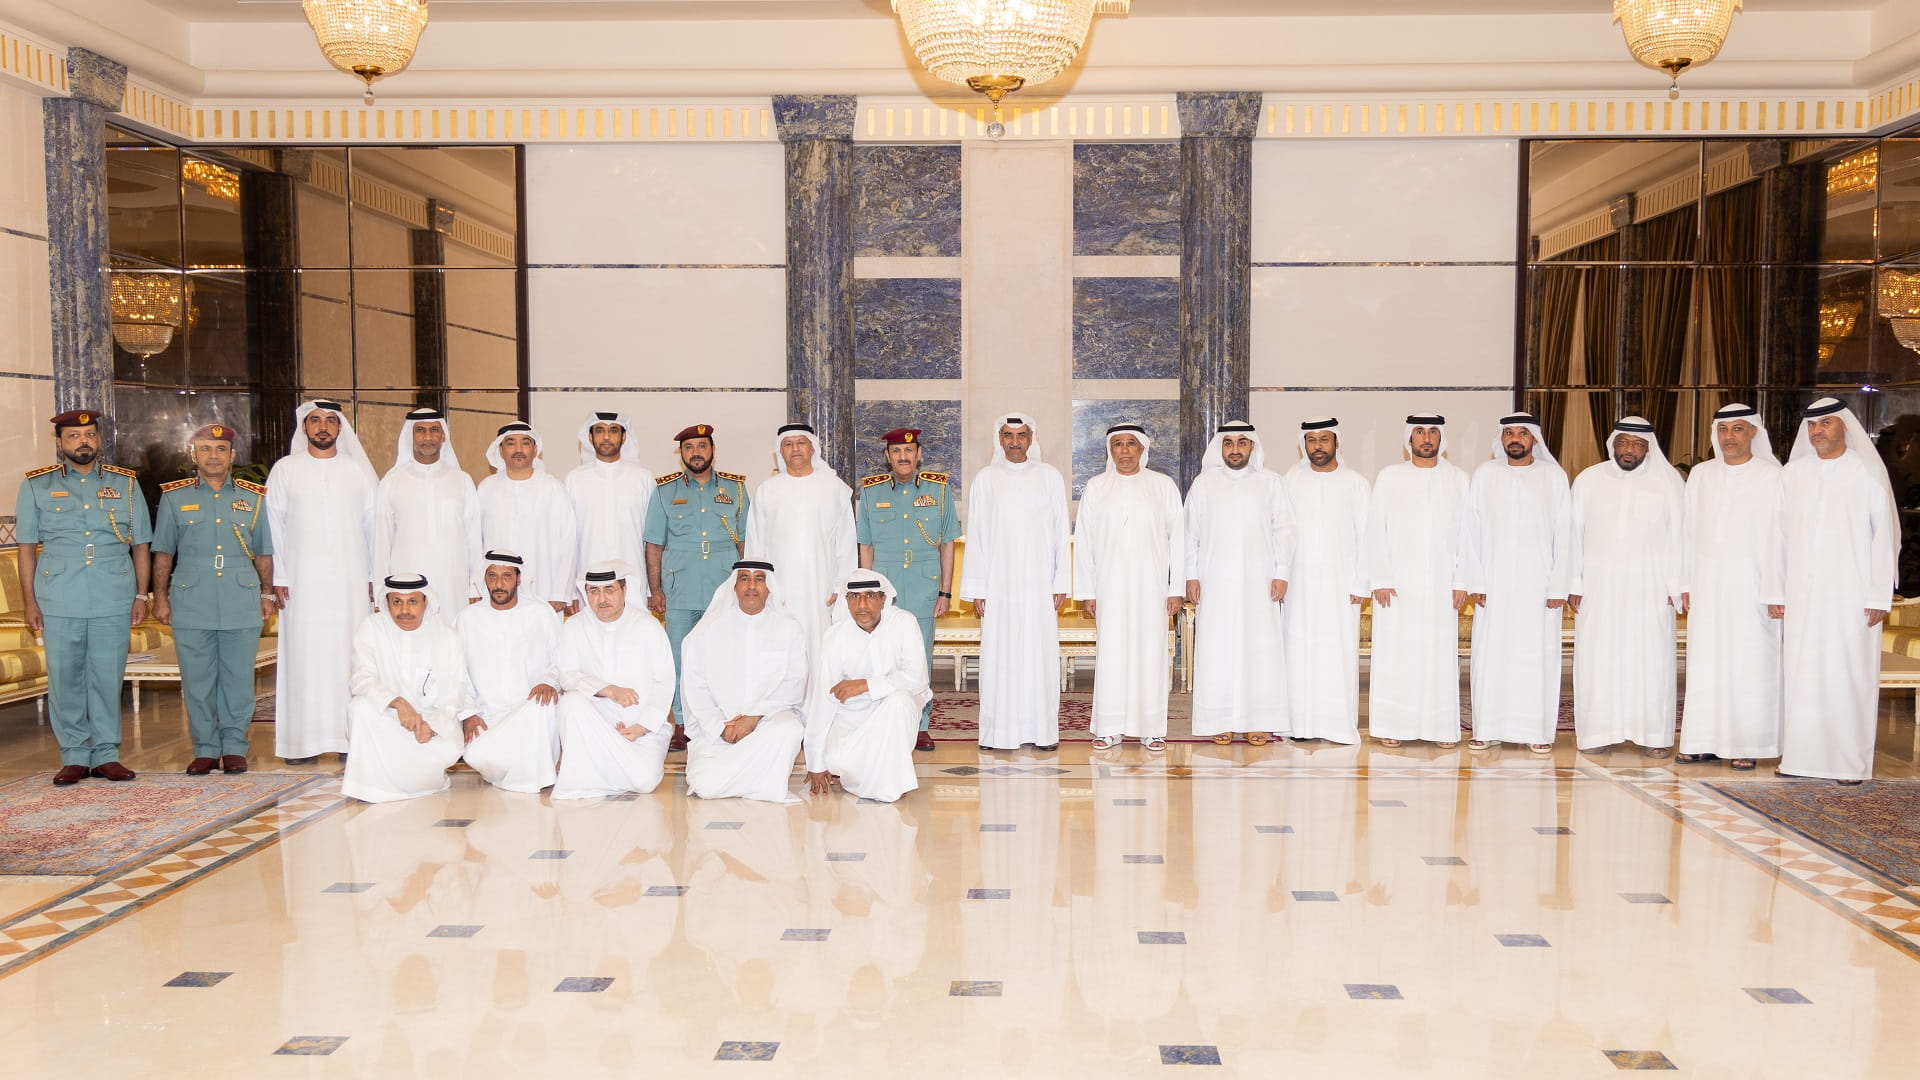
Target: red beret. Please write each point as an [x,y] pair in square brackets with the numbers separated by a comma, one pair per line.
[214,431]
[697,431]
[902,436]
[77,418]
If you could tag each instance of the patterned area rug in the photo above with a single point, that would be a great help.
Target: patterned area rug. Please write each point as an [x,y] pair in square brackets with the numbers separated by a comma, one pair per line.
[97,826]
[1875,824]
[956,717]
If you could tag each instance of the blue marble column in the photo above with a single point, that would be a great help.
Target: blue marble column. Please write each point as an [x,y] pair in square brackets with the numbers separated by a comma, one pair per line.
[817,131]
[1216,265]
[76,146]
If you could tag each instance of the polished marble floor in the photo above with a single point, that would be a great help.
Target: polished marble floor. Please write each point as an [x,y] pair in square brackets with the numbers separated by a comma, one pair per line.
[1302,910]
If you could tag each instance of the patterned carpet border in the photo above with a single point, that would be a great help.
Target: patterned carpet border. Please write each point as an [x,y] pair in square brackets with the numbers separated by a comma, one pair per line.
[97,827]
[45,928]
[1876,825]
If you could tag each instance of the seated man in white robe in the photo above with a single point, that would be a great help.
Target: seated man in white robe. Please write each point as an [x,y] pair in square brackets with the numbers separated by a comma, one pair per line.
[409,686]
[869,685]
[617,670]
[512,735]
[743,682]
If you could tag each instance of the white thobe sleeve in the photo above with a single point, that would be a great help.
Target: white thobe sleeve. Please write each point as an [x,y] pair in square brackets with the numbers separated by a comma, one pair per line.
[374,573]
[284,544]
[573,664]
[1358,501]
[563,537]
[1674,550]
[908,671]
[383,528]
[973,568]
[822,707]
[754,543]
[1561,514]
[470,518]
[1195,512]
[450,693]
[1062,571]
[1466,559]
[656,698]
[704,717]
[369,678]
[473,655]
[1176,541]
[843,551]
[1380,568]
[1576,575]
[1883,564]
[1690,504]
[548,642]
[1772,525]
[1285,532]
[1086,545]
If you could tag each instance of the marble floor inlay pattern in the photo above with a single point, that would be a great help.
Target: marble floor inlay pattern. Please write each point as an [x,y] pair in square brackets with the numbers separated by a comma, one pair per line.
[1284,910]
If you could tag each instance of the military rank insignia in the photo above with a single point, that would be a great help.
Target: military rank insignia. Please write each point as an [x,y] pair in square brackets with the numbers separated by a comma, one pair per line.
[926,500]
[242,506]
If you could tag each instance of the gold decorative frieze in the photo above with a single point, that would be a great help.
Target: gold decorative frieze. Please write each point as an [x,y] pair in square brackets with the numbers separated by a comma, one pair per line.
[32,61]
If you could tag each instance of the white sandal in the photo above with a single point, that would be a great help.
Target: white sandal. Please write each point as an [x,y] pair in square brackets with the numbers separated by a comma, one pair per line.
[1154,744]
[1106,742]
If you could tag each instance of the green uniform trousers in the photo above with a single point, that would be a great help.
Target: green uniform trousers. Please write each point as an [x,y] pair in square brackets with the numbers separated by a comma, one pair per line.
[86,664]
[216,679]
[680,623]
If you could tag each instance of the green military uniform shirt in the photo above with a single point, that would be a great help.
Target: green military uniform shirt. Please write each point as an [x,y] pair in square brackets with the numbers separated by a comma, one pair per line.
[213,537]
[85,524]
[905,524]
[700,527]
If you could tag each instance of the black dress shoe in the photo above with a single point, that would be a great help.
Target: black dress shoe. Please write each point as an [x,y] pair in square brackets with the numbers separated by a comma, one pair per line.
[302,760]
[200,766]
[233,763]
[70,774]
[924,742]
[113,770]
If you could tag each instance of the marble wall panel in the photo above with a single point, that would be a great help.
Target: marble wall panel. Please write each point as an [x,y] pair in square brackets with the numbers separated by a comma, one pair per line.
[625,205]
[1092,418]
[906,200]
[938,420]
[906,328]
[1425,200]
[604,326]
[1126,199]
[1126,328]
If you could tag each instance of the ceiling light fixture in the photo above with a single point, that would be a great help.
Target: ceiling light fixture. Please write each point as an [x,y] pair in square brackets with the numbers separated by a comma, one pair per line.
[368,39]
[995,47]
[1675,35]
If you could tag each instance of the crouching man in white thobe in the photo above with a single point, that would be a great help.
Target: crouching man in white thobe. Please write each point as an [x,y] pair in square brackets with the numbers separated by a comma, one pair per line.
[617,671]
[869,685]
[743,682]
[409,686]
[513,737]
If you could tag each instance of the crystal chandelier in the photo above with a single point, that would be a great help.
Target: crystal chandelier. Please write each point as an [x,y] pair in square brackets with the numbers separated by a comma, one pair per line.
[145,310]
[1900,305]
[995,47]
[212,179]
[1837,319]
[369,39]
[1674,35]
[1855,174]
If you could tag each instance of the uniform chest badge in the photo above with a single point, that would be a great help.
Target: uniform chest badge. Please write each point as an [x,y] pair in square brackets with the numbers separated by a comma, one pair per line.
[926,500]
[60,494]
[109,493]
[241,505]
[724,499]
[190,506]
[679,502]
[883,506]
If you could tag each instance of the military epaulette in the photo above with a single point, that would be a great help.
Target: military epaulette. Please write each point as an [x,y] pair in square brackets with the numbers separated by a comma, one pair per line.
[175,485]
[42,471]
[934,477]
[248,485]
[669,478]
[879,478]
[122,470]
[735,477]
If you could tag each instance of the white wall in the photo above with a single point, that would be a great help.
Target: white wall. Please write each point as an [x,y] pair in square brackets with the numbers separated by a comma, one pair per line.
[658,268]
[1384,284]
[26,339]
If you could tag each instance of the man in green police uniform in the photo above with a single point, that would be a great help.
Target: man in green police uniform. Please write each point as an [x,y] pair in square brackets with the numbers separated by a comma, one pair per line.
[905,526]
[211,552]
[85,588]
[693,535]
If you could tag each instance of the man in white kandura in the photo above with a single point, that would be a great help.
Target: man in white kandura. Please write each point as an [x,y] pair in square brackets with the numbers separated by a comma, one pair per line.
[869,685]
[1514,562]
[1016,574]
[524,509]
[1842,562]
[1627,530]
[512,735]
[1734,561]
[426,514]
[321,518]
[744,683]
[1413,545]
[617,671]
[610,491]
[409,688]
[801,520]
[1329,583]
[1240,537]
[1129,555]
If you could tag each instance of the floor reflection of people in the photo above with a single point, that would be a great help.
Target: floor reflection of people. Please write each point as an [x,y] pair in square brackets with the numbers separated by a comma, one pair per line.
[876,905]
[1123,982]
[1023,941]
[744,891]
